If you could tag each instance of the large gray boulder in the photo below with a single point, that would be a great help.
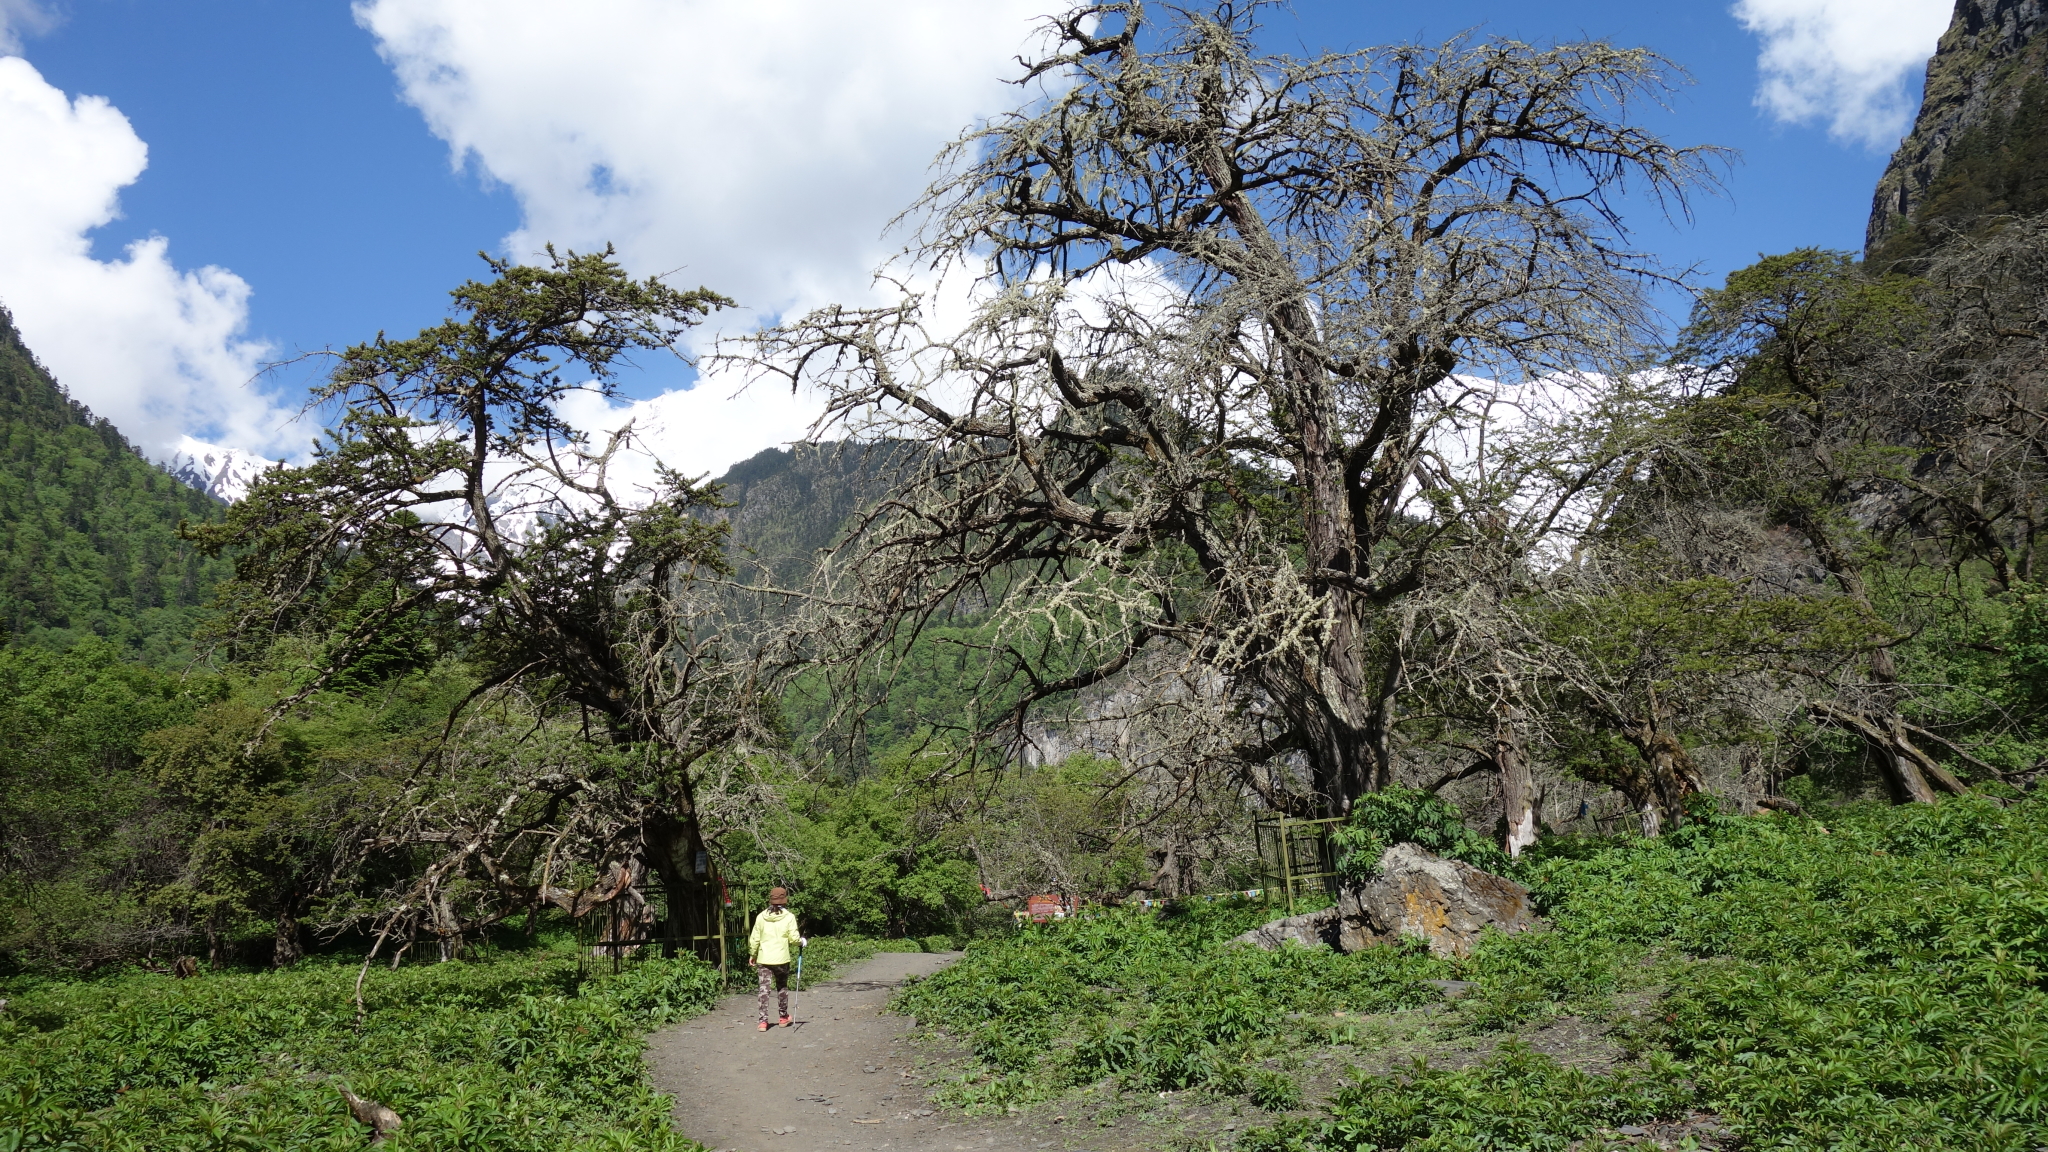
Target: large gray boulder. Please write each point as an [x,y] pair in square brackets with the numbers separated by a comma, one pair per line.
[1446,902]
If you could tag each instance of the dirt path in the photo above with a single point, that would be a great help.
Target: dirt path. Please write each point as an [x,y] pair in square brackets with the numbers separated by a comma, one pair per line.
[842,1076]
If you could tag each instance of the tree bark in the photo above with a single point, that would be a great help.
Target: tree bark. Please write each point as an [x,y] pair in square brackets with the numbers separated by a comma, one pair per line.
[1664,775]
[1511,762]
[1907,769]
[216,943]
[1672,773]
[1517,785]
[1633,782]
[1648,818]
[1336,712]
[1383,715]
[670,844]
[286,947]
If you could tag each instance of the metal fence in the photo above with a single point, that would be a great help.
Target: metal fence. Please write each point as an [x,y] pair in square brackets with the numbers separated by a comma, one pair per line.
[1296,859]
[599,935]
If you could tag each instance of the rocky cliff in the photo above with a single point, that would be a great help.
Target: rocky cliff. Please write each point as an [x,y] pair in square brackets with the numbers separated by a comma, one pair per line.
[1980,144]
[789,503]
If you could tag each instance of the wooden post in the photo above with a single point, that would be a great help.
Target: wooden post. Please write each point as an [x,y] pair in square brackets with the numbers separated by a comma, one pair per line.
[1259,846]
[1287,863]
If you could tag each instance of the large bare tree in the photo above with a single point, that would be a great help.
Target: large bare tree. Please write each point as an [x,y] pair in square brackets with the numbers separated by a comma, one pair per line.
[1203,413]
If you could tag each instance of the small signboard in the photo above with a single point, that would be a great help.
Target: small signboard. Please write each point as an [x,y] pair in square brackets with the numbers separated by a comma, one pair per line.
[1047,907]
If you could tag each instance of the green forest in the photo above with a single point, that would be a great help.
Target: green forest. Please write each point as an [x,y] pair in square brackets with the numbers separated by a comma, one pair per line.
[443,767]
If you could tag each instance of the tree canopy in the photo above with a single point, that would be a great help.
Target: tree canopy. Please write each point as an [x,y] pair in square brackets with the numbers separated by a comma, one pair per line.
[451,489]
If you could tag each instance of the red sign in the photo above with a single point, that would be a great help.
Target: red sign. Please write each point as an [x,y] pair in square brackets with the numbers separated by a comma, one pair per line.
[1045,907]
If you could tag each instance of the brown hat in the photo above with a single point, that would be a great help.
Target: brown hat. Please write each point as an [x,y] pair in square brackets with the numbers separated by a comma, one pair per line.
[778,895]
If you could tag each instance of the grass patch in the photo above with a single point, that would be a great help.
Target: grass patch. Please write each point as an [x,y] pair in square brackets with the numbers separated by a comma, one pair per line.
[511,1050]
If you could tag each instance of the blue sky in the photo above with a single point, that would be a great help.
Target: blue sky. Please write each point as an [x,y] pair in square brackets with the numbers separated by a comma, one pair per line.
[1793,185]
[305,147]
[279,147]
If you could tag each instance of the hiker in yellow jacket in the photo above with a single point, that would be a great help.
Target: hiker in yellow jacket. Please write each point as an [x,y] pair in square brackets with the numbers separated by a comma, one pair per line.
[770,944]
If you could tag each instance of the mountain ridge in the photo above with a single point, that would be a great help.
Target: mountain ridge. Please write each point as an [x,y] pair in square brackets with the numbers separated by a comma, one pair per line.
[221,472]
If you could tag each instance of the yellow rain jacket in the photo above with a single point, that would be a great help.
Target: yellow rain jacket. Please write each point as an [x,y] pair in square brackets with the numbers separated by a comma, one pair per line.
[774,937]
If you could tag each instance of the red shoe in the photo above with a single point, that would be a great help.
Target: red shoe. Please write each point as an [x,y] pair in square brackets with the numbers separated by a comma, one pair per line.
[764,1024]
[785,1022]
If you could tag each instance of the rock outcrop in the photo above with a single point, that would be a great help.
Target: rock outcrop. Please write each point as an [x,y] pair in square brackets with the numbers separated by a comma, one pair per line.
[1308,930]
[1446,902]
[1978,83]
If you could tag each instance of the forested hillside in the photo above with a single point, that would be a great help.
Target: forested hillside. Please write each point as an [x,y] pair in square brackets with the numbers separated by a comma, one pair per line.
[788,505]
[88,527]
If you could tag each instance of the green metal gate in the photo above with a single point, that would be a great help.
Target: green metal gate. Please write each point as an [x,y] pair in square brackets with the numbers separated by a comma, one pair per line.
[1297,860]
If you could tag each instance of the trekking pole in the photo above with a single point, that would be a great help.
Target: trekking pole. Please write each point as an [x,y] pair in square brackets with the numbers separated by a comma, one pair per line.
[797,996]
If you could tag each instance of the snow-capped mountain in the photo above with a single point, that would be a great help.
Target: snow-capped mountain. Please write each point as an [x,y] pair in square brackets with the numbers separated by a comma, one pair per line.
[223,473]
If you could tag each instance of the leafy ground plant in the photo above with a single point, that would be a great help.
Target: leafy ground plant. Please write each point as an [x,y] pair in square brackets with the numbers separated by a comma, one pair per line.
[1150,1001]
[1873,980]
[517,1051]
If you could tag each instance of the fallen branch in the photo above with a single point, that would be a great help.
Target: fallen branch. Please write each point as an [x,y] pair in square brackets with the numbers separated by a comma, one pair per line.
[382,1120]
[1955,750]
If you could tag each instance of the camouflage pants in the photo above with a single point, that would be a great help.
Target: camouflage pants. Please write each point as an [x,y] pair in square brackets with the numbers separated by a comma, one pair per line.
[774,978]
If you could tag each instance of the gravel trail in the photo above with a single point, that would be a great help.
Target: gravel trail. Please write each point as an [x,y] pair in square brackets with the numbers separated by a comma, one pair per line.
[841,1077]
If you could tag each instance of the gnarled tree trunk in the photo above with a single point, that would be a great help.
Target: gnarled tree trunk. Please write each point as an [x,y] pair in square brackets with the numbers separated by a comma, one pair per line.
[1672,774]
[672,844]
[286,947]
[1517,784]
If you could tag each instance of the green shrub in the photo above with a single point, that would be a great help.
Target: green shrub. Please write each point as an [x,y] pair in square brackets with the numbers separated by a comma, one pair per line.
[1518,1099]
[1273,1091]
[1380,820]
[1874,982]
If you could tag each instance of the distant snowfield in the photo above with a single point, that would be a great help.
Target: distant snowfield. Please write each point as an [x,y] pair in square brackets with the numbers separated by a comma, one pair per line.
[223,473]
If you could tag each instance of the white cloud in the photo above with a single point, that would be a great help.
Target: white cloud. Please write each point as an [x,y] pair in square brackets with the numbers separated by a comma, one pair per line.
[158,351]
[19,18]
[760,149]
[701,432]
[1844,61]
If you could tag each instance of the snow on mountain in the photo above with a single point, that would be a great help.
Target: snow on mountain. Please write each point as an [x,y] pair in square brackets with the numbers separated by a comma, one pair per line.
[223,473]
